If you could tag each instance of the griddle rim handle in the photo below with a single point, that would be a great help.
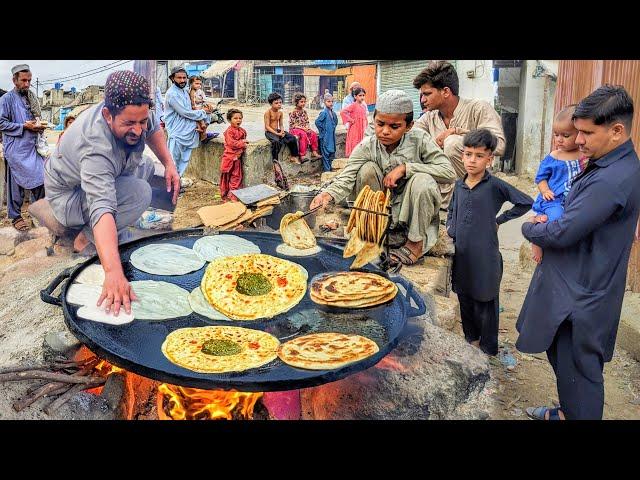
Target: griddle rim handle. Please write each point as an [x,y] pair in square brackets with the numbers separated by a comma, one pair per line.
[412,294]
[45,295]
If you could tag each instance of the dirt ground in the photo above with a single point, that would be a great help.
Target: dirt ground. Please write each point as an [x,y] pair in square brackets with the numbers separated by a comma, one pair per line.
[532,382]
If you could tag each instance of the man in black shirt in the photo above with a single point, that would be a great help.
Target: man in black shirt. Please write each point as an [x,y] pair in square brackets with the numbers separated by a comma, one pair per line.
[572,308]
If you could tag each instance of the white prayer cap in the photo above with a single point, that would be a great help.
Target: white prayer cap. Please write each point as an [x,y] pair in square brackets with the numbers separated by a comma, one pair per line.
[353,85]
[19,68]
[394,101]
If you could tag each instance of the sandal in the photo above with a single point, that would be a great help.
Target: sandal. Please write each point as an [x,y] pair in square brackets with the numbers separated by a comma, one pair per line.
[20,224]
[538,413]
[404,256]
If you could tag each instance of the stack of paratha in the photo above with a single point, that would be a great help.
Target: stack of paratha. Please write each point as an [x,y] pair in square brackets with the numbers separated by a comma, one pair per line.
[251,286]
[367,229]
[326,351]
[298,238]
[352,290]
[220,349]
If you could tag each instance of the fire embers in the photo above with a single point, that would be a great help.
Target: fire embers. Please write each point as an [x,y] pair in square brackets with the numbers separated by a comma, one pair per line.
[182,403]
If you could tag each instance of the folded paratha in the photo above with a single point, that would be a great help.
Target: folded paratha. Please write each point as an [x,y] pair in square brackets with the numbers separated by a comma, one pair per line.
[219,349]
[326,351]
[251,286]
[295,231]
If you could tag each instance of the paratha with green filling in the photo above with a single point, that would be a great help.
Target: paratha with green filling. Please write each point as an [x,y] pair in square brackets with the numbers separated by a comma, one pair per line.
[159,300]
[166,259]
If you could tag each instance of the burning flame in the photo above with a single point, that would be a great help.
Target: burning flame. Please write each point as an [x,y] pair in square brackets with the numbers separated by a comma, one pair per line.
[193,403]
[105,369]
[389,363]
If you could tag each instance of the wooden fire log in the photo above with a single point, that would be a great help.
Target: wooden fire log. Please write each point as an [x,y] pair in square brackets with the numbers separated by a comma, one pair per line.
[54,387]
[56,365]
[62,399]
[42,375]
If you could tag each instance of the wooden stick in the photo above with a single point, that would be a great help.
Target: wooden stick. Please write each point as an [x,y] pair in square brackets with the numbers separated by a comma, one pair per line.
[55,365]
[53,387]
[42,375]
[47,389]
[64,398]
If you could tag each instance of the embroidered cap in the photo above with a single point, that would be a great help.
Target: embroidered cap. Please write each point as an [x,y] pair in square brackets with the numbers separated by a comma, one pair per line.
[126,87]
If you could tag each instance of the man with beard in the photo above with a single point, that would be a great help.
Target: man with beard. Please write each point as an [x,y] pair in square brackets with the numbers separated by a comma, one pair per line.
[24,165]
[97,178]
[181,120]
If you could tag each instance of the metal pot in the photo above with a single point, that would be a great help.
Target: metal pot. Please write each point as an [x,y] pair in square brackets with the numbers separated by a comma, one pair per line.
[295,201]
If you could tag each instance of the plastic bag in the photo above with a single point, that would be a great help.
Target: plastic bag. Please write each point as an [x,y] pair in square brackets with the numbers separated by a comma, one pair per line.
[42,147]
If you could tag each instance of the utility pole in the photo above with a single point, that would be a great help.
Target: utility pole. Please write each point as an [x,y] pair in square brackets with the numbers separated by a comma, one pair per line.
[37,89]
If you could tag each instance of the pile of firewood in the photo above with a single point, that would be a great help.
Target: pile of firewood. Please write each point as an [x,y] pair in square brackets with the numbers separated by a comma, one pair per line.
[63,377]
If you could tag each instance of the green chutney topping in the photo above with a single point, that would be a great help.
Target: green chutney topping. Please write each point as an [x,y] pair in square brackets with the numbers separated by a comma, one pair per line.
[220,347]
[253,284]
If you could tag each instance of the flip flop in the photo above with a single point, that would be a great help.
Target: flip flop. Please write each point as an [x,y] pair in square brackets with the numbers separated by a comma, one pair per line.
[405,256]
[20,224]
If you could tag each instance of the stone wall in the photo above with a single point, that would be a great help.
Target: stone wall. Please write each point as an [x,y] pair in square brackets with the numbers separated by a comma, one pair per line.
[205,161]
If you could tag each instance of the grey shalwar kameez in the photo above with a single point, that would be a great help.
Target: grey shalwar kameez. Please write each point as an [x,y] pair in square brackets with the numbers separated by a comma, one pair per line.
[91,173]
[416,200]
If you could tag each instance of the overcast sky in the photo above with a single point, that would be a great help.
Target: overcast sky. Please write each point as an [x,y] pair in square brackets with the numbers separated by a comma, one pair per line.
[52,69]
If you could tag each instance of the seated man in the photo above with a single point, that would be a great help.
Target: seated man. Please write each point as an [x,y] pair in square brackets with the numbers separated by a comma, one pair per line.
[447,117]
[96,182]
[404,160]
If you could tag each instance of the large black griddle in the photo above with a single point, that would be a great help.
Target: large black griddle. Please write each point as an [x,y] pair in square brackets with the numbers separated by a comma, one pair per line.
[136,346]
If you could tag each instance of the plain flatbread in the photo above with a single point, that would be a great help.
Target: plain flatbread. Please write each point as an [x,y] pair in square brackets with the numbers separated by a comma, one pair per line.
[84,294]
[98,314]
[92,275]
[202,307]
[289,251]
[215,246]
[166,259]
[325,351]
[159,300]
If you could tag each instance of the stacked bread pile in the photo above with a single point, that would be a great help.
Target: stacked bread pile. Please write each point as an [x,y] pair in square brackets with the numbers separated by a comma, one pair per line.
[367,229]
[352,290]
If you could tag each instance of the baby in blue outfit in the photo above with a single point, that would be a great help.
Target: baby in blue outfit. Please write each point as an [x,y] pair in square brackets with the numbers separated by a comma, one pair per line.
[557,171]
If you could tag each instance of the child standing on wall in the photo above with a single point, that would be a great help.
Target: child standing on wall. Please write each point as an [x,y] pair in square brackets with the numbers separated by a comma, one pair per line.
[235,144]
[299,126]
[326,124]
[198,99]
[557,171]
[354,118]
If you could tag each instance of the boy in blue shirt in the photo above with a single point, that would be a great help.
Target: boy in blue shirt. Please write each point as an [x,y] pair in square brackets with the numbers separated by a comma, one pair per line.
[326,124]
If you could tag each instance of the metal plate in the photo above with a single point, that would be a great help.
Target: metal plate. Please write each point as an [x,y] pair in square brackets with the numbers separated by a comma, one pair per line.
[136,346]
